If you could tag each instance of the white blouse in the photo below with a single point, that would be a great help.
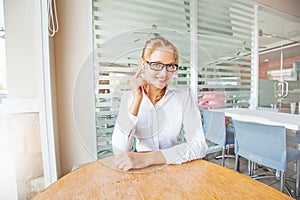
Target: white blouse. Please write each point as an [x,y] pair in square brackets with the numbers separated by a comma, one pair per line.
[158,127]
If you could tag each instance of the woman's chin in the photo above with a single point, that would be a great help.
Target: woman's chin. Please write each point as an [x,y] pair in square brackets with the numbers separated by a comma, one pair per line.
[160,85]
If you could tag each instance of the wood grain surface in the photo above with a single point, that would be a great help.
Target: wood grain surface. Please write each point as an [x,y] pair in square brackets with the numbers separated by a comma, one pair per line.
[198,179]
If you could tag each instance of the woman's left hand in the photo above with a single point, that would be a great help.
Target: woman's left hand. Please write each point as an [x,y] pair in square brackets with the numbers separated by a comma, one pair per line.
[131,160]
[138,160]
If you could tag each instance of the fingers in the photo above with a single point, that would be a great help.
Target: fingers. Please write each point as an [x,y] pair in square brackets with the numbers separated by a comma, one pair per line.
[137,82]
[138,73]
[140,82]
[128,167]
[119,159]
[124,162]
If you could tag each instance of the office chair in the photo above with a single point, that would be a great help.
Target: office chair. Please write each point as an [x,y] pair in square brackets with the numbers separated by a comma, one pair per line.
[215,131]
[294,138]
[290,138]
[265,145]
[229,141]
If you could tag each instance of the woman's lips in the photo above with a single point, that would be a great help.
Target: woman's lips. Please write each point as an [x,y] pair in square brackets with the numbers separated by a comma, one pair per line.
[162,80]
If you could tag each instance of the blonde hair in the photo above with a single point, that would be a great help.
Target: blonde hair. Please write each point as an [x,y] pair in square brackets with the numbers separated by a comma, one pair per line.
[158,42]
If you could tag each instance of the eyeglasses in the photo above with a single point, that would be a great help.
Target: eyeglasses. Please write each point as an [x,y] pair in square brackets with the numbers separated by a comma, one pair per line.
[159,66]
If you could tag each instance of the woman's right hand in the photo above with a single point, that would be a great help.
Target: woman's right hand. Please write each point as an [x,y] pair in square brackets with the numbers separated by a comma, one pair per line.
[137,83]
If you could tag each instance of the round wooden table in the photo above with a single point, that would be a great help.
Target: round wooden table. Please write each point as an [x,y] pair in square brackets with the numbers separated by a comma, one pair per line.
[198,179]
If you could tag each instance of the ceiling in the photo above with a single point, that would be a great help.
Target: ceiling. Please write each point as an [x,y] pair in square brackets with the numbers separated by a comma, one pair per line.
[278,32]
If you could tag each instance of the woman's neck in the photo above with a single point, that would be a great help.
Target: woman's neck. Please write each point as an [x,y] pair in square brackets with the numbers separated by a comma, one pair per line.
[154,93]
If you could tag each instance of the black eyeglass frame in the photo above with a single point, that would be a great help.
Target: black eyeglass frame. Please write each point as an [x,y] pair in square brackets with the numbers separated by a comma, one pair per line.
[167,66]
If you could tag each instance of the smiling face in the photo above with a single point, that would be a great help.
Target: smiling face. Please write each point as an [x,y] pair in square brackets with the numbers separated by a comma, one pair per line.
[159,79]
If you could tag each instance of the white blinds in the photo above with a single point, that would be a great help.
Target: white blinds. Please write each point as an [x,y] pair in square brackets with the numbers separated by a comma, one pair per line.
[224,33]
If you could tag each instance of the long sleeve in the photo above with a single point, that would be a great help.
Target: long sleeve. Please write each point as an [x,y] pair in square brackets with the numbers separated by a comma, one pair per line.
[195,146]
[124,130]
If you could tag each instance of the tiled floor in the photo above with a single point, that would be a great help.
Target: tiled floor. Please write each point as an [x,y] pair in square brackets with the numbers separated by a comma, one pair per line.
[230,162]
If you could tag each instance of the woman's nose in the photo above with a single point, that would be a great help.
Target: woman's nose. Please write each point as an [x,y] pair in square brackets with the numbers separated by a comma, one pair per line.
[164,70]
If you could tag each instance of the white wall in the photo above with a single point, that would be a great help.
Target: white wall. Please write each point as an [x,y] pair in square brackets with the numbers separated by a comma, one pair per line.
[72,47]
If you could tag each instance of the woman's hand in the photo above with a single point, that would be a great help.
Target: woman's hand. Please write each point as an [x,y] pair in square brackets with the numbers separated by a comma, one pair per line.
[130,160]
[135,160]
[137,83]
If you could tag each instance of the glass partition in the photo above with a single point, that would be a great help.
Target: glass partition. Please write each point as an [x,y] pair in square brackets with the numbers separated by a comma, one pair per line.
[228,38]
[224,50]
[279,61]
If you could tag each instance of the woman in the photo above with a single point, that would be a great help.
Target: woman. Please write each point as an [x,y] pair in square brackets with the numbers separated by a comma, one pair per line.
[155,112]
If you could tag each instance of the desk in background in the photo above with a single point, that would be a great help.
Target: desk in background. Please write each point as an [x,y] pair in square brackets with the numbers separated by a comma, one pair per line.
[198,179]
[289,121]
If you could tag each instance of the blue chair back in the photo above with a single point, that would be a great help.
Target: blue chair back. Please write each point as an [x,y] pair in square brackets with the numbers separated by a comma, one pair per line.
[214,126]
[262,144]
